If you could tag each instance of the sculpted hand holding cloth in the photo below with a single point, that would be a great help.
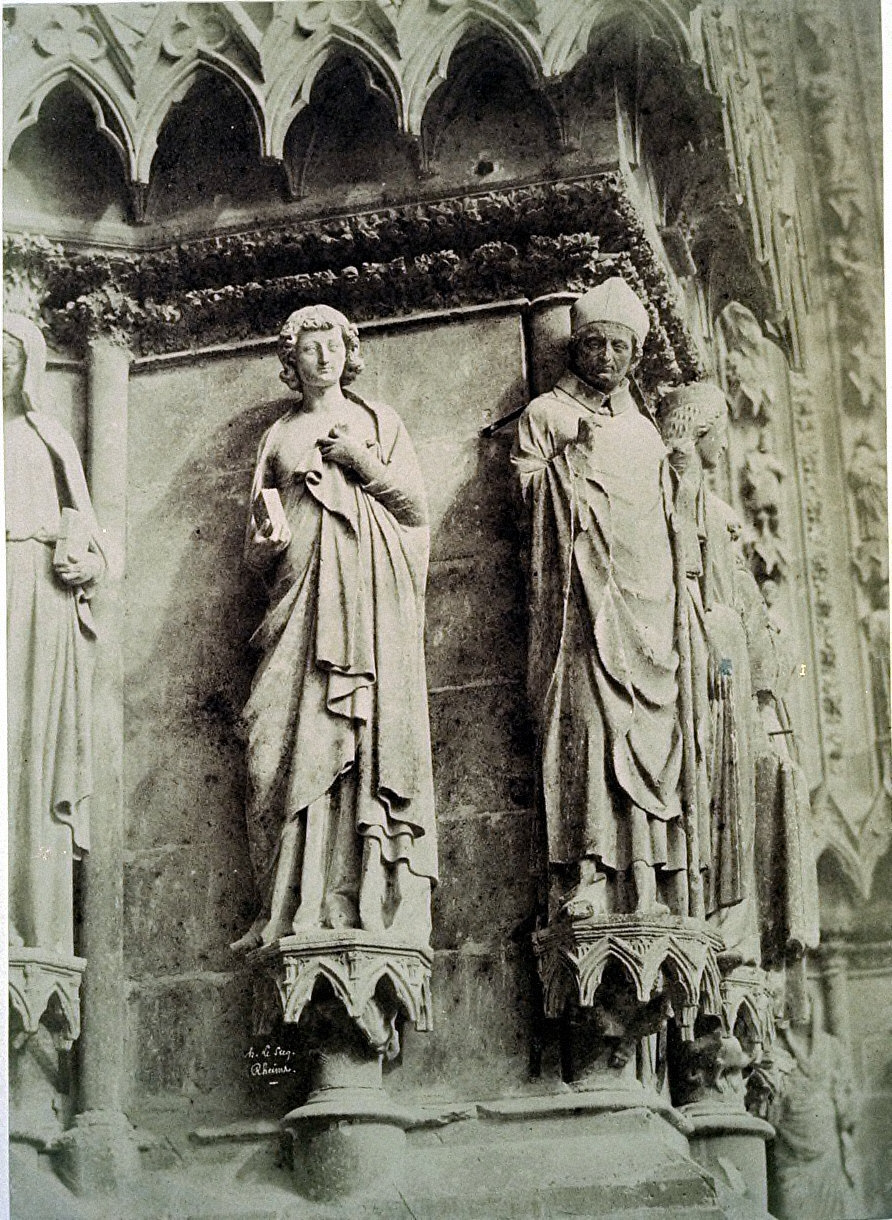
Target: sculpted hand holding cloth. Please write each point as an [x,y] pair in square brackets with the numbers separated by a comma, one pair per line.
[602,671]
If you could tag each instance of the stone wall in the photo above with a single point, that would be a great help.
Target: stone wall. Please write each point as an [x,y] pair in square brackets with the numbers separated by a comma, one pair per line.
[194,427]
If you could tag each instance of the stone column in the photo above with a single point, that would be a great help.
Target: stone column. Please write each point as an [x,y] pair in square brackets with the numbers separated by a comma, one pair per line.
[835,977]
[548,329]
[99,1153]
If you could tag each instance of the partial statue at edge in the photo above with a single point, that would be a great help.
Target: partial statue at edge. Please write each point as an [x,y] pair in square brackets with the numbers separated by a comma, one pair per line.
[750,792]
[54,558]
[340,803]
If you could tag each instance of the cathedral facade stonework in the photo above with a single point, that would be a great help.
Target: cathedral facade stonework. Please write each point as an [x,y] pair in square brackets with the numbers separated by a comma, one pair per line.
[498,824]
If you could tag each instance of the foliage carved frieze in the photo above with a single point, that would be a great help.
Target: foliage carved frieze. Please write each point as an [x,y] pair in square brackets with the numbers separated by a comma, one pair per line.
[520,242]
[134,64]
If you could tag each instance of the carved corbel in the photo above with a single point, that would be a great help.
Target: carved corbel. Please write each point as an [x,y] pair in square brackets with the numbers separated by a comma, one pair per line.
[39,981]
[347,993]
[616,980]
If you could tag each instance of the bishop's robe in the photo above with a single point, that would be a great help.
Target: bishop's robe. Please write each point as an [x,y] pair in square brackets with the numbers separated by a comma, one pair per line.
[602,662]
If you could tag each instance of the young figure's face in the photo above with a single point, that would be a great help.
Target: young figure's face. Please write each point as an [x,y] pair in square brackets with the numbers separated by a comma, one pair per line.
[319,358]
[13,368]
[713,443]
[604,354]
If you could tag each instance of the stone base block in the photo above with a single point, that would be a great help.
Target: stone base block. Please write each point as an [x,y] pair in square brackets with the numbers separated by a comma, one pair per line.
[514,1158]
[732,1147]
[99,1155]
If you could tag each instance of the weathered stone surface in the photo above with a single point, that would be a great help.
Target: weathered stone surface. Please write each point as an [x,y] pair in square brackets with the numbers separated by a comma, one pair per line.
[476,622]
[486,894]
[482,749]
[188,1044]
[480,1042]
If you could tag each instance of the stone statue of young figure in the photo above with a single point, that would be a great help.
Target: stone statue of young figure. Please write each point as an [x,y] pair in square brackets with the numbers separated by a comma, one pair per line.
[694,424]
[340,801]
[752,799]
[602,662]
[50,639]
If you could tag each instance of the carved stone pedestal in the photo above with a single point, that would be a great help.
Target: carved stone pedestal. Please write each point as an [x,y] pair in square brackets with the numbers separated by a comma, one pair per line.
[348,991]
[731,1145]
[615,981]
[44,1022]
[709,1082]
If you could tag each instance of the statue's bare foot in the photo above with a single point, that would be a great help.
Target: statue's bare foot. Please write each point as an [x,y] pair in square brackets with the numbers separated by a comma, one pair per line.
[652,907]
[304,917]
[275,931]
[252,939]
[244,944]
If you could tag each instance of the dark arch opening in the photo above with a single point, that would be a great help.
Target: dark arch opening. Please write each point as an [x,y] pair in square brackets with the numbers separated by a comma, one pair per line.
[487,122]
[347,137]
[64,166]
[208,157]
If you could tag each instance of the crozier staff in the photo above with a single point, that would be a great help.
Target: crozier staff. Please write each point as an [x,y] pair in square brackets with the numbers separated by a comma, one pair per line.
[602,664]
[340,790]
[53,559]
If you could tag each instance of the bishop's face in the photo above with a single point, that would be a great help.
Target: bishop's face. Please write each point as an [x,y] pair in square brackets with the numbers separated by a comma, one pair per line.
[603,355]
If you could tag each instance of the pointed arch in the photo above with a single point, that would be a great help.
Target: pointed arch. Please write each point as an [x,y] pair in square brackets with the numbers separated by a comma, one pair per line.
[428,67]
[175,90]
[291,91]
[100,101]
[847,866]
[571,37]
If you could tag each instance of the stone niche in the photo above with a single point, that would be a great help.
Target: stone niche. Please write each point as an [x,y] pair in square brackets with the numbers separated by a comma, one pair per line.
[193,430]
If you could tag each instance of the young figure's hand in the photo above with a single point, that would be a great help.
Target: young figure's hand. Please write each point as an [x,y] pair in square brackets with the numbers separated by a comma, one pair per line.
[76,573]
[682,455]
[272,540]
[346,451]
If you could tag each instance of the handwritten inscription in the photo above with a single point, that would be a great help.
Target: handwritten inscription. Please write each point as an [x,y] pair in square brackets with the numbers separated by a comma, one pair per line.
[270,1060]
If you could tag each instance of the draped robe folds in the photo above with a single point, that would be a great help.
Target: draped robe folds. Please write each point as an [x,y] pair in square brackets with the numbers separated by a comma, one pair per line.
[723,710]
[602,663]
[50,645]
[762,886]
[341,680]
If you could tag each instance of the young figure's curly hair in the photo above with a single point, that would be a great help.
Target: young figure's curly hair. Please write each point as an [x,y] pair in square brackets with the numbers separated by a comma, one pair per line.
[313,318]
[690,411]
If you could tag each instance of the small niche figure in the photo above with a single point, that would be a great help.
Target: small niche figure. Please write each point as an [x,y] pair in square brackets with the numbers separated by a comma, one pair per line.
[815,1169]
[54,558]
[340,803]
